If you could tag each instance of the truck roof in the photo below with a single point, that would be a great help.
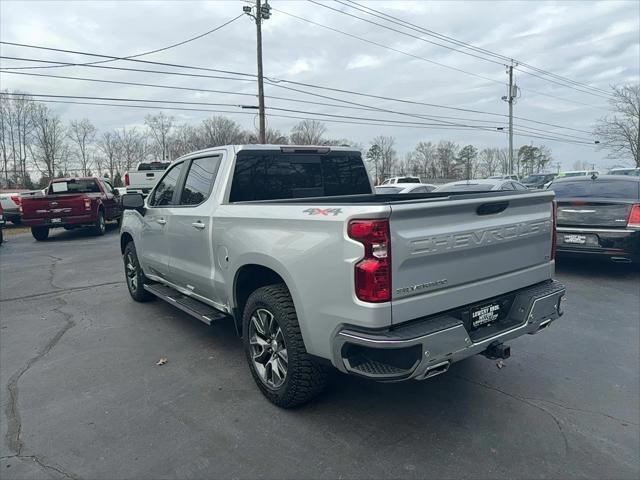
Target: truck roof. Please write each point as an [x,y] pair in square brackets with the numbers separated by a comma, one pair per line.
[251,146]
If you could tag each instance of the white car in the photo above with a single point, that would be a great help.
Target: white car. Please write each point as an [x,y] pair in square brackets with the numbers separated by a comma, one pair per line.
[578,173]
[634,172]
[484,185]
[394,180]
[504,177]
[10,202]
[405,188]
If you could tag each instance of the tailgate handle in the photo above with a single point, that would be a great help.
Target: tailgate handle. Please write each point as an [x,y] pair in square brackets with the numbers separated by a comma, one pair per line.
[150,174]
[492,208]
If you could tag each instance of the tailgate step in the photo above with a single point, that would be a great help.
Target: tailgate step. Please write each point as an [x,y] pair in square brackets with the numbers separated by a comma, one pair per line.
[202,311]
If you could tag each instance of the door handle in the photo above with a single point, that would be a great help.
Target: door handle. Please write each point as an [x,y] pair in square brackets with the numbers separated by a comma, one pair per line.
[198,225]
[161,221]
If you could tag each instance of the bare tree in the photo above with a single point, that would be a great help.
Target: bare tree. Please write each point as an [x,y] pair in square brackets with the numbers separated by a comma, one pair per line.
[387,158]
[219,130]
[489,161]
[446,153]
[619,132]
[160,127]
[272,136]
[82,134]
[424,155]
[48,149]
[185,139]
[109,146]
[16,132]
[131,148]
[308,132]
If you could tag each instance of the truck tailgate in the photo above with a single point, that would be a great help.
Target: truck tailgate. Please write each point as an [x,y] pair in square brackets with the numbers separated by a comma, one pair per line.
[54,206]
[467,249]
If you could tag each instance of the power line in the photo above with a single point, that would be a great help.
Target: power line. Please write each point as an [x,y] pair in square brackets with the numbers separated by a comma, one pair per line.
[243,74]
[414,27]
[351,117]
[362,39]
[353,105]
[231,112]
[529,130]
[129,57]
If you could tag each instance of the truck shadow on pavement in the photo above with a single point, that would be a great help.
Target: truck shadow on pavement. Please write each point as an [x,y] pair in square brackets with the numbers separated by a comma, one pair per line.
[61,235]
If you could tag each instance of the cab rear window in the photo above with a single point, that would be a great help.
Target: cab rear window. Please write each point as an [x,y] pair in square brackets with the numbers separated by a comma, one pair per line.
[74,186]
[273,175]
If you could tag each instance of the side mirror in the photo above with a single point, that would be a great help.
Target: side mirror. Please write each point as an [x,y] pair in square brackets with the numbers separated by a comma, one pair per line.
[116,193]
[132,201]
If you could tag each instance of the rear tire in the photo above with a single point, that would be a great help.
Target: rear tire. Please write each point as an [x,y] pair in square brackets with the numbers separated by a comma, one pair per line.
[281,367]
[40,233]
[134,275]
[99,227]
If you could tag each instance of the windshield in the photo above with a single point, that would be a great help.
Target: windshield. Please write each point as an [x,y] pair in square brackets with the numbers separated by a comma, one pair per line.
[74,186]
[384,190]
[153,166]
[534,179]
[275,175]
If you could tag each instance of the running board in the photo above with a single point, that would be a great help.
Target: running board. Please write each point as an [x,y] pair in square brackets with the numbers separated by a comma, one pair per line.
[193,307]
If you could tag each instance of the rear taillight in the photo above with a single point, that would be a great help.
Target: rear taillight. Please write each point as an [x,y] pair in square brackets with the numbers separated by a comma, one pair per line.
[634,216]
[87,204]
[373,272]
[554,220]
[126,179]
[16,199]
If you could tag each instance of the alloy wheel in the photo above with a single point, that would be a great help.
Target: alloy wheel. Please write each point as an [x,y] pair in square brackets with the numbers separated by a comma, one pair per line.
[131,272]
[268,348]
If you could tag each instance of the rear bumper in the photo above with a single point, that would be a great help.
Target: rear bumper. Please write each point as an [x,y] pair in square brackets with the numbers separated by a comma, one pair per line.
[12,214]
[426,347]
[617,244]
[76,220]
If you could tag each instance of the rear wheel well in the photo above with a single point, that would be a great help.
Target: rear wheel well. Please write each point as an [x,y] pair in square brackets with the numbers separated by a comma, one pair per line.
[248,279]
[125,238]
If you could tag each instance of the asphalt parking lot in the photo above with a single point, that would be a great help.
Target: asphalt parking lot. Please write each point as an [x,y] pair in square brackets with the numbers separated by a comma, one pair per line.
[82,396]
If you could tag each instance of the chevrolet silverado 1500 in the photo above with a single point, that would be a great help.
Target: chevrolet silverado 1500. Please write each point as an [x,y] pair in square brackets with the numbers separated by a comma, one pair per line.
[315,270]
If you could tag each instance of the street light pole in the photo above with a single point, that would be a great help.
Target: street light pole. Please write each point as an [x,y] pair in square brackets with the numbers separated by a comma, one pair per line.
[263,12]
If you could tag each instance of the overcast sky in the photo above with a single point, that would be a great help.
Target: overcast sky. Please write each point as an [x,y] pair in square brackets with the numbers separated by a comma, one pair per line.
[597,43]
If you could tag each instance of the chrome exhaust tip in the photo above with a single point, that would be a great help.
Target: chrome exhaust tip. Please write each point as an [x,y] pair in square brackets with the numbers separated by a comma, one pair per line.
[436,369]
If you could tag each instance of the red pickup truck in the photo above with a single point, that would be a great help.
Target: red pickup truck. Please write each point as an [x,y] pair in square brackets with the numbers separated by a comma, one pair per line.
[72,203]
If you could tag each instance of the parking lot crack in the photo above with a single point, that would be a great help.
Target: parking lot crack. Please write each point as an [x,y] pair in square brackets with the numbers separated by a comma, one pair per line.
[526,401]
[61,290]
[12,410]
[582,410]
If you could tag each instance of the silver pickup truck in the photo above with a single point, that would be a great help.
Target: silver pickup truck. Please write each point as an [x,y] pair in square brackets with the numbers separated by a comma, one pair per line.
[315,270]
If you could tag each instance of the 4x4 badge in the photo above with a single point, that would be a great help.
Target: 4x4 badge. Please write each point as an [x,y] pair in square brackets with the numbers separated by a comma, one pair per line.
[323,211]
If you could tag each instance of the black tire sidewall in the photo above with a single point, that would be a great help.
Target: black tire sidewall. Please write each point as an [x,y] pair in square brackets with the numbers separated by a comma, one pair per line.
[100,227]
[140,294]
[294,391]
[40,233]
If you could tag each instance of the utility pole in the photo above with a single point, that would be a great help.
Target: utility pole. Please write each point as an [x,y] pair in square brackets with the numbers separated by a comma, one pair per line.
[263,12]
[510,99]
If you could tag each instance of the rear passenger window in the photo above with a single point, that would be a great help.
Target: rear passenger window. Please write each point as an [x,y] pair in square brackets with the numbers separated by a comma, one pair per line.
[163,193]
[274,175]
[202,174]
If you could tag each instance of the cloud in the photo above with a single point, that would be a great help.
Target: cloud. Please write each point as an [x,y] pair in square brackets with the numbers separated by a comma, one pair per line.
[593,42]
